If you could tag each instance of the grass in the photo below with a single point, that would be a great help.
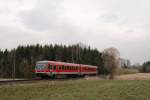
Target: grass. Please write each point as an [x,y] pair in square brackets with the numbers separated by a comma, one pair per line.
[79,90]
[121,71]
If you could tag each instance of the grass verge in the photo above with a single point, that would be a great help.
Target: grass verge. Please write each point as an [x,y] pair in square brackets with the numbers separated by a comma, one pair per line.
[79,90]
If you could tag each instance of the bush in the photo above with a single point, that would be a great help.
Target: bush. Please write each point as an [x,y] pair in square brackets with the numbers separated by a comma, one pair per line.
[145,69]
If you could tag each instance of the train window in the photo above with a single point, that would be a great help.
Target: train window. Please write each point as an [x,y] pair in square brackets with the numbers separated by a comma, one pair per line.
[59,67]
[62,67]
[50,67]
[66,67]
[54,67]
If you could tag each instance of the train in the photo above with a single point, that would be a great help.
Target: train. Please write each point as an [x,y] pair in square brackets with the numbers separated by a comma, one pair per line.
[56,69]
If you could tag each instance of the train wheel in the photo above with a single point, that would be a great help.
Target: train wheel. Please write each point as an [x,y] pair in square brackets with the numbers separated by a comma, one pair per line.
[53,76]
[82,76]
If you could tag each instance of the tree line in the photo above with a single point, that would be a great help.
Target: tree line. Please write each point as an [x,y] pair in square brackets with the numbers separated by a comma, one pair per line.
[145,68]
[20,62]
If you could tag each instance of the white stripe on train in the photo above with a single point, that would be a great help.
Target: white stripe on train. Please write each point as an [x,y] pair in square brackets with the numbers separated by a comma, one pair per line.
[48,73]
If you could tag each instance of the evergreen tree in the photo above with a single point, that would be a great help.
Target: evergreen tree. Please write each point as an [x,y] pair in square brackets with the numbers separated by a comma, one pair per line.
[22,59]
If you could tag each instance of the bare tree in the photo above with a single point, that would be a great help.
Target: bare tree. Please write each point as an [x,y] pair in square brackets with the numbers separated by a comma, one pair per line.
[124,63]
[111,60]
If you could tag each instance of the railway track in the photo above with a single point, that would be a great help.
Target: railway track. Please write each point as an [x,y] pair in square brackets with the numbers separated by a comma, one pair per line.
[26,81]
[11,82]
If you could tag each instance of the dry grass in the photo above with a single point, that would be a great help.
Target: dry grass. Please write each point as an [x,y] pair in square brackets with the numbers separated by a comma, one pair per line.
[79,90]
[121,71]
[137,76]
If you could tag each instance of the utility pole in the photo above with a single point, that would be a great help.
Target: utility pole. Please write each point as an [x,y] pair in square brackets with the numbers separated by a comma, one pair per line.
[14,65]
[79,54]
[72,56]
[79,50]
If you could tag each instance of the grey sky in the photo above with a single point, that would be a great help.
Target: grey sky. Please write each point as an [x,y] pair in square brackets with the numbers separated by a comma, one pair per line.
[124,24]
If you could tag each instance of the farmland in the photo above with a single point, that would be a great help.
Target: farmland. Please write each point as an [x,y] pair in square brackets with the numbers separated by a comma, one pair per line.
[79,90]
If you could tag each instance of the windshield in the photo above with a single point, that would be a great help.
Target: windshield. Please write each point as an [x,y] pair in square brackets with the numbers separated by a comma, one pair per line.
[40,66]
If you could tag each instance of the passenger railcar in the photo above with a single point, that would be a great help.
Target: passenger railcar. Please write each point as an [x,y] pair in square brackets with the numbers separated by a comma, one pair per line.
[61,69]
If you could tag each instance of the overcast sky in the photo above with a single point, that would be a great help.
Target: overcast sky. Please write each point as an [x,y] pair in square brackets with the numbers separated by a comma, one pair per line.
[124,24]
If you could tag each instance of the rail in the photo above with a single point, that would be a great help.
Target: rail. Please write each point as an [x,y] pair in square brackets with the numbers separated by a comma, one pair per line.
[25,81]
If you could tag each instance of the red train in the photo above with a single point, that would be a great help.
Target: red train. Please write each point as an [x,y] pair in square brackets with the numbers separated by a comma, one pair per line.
[61,69]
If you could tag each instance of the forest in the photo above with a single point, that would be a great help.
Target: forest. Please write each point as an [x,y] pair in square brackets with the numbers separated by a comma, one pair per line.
[19,62]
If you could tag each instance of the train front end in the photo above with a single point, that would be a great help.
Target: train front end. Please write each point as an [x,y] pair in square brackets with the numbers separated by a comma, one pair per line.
[41,69]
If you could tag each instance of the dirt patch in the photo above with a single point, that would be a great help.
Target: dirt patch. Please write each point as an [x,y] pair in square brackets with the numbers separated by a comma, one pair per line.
[137,76]
[93,78]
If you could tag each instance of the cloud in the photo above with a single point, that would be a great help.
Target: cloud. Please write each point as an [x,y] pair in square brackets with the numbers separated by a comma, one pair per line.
[99,23]
[43,17]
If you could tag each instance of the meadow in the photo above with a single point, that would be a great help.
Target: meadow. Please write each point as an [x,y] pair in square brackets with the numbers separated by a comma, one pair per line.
[79,90]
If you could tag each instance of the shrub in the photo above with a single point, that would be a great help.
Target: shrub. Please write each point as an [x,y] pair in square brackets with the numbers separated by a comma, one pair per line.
[145,69]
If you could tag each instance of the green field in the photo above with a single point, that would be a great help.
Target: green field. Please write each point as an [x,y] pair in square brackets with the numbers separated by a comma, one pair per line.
[79,90]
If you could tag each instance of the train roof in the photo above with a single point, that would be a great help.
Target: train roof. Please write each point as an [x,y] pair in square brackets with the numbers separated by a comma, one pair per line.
[64,63]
